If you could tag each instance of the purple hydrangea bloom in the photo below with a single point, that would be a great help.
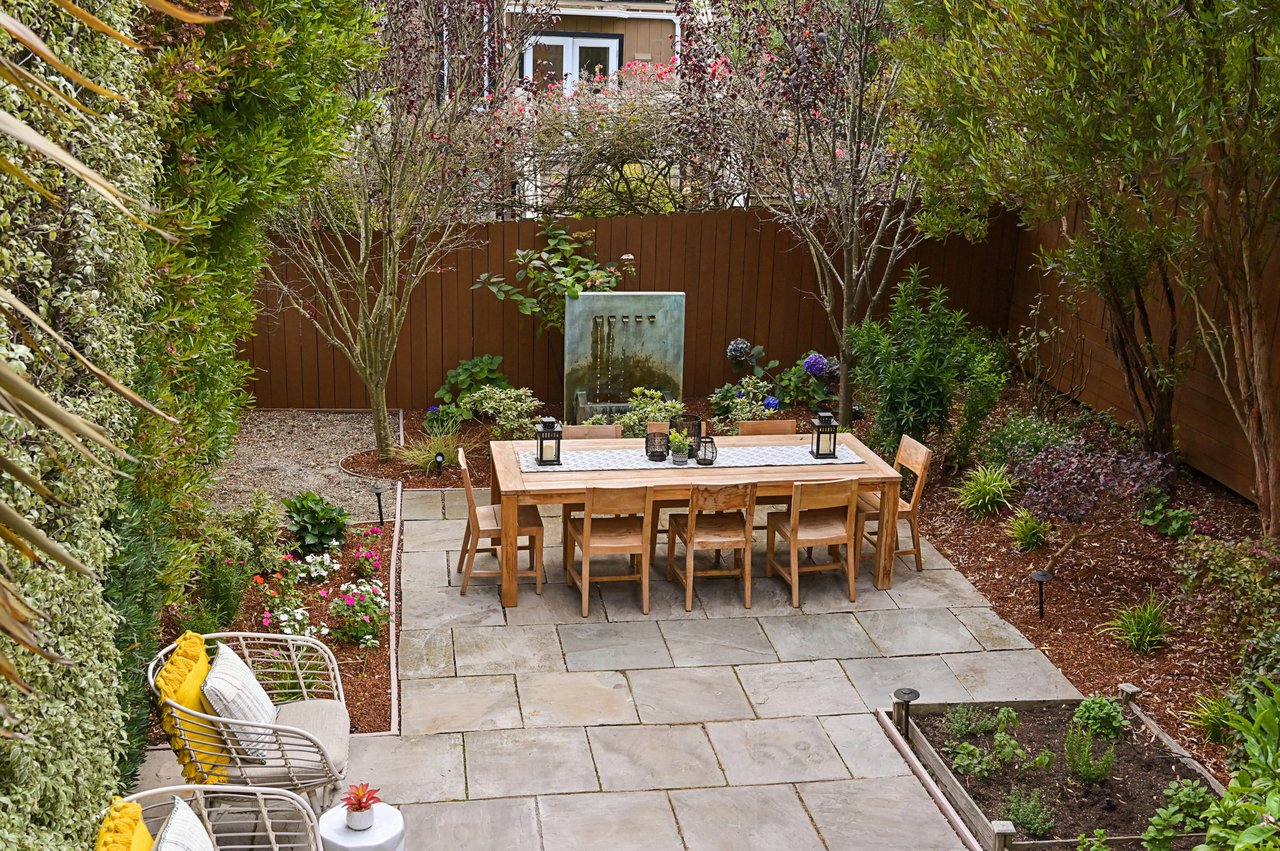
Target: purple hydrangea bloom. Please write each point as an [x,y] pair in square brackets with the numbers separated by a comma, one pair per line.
[815,365]
[771,403]
[432,409]
[739,394]
[739,350]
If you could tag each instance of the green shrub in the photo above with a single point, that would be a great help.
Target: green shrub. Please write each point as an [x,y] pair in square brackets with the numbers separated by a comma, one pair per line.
[1141,628]
[1242,578]
[1006,749]
[1026,531]
[1006,719]
[1211,714]
[443,419]
[316,523]
[1096,842]
[916,364]
[1078,749]
[749,399]
[968,758]
[966,719]
[1185,804]
[469,376]
[1165,519]
[807,384]
[1248,815]
[985,490]
[1101,716]
[511,409]
[1027,812]
[1020,437]
[742,355]
[647,406]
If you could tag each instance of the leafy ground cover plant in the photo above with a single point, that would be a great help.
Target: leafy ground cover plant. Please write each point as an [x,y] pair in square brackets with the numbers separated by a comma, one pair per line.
[1101,716]
[470,375]
[1095,842]
[971,759]
[1248,815]
[749,399]
[965,719]
[1141,628]
[316,523]
[1069,480]
[985,490]
[1160,515]
[1185,804]
[1027,532]
[1027,811]
[1019,437]
[512,410]
[646,406]
[1078,750]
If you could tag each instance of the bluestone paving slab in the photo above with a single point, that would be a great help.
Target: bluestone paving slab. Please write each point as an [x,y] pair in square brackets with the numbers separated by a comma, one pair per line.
[439,535]
[160,767]
[613,646]
[931,559]
[487,562]
[429,567]
[865,749]
[507,763]
[722,598]
[557,604]
[748,818]
[877,679]
[916,632]
[409,769]
[724,641]
[456,704]
[618,821]
[455,502]
[1010,675]
[830,636]
[653,756]
[507,649]
[925,589]
[426,607]
[575,699]
[877,813]
[775,750]
[421,505]
[992,631]
[786,689]
[666,602]
[821,593]
[688,695]
[425,653]
[510,824]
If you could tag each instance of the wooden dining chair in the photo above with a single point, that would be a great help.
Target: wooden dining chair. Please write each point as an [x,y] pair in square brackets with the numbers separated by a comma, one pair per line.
[614,521]
[654,428]
[747,428]
[484,523]
[662,505]
[821,514]
[719,518]
[913,456]
[591,432]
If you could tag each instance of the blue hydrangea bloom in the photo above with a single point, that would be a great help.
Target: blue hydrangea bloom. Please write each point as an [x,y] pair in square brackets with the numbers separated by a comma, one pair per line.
[739,350]
[432,409]
[815,365]
[738,394]
[771,403]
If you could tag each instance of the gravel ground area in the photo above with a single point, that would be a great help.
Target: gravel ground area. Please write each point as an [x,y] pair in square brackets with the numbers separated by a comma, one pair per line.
[285,452]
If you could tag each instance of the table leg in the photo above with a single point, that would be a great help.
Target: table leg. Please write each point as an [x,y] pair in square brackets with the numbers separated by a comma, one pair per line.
[510,551]
[886,535]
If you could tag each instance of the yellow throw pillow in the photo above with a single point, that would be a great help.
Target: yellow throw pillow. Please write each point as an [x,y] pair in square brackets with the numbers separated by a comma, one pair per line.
[123,829]
[180,680]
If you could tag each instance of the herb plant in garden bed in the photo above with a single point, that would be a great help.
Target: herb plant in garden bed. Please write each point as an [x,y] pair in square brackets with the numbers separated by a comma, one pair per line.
[1061,772]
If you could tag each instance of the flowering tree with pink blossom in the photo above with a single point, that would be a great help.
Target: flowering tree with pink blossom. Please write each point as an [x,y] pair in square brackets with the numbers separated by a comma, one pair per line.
[430,154]
[791,105]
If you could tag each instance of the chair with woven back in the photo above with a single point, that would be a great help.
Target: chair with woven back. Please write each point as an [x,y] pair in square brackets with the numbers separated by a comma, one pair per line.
[662,505]
[615,520]
[821,514]
[719,518]
[234,818]
[913,457]
[484,522]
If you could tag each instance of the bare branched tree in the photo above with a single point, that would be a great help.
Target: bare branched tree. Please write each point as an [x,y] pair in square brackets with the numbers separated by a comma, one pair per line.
[795,100]
[430,157]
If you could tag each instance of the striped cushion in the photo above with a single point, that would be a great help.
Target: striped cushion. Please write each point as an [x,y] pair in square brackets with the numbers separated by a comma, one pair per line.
[183,831]
[234,693]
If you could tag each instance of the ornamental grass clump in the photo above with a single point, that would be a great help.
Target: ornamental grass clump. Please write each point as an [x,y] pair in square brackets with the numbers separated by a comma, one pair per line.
[985,490]
[1026,532]
[1141,628]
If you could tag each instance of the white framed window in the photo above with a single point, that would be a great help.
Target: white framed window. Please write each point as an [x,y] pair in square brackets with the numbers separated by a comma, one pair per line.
[572,59]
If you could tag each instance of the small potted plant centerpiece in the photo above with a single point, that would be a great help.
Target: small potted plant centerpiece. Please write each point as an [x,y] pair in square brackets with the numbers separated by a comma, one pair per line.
[359,802]
[679,448]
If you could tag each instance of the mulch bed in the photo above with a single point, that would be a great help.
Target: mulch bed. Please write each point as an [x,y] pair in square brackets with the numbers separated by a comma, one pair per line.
[1122,805]
[1114,562]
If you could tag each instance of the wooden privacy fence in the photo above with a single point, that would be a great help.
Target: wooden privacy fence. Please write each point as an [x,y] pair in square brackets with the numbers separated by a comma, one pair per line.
[743,275]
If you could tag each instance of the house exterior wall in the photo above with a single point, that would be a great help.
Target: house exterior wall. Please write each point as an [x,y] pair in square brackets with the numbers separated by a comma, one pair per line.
[643,39]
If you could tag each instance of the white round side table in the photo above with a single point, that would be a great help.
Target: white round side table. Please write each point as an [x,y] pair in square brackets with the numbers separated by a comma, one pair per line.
[387,833]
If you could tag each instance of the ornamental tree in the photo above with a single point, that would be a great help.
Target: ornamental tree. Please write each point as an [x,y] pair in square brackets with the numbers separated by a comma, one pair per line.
[791,104]
[428,157]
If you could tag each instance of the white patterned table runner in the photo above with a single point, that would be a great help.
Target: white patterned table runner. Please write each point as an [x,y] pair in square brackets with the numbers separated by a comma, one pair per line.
[583,460]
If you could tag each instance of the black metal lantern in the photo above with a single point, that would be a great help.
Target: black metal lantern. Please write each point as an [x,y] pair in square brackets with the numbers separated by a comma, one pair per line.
[549,433]
[656,445]
[706,455]
[689,425]
[824,436]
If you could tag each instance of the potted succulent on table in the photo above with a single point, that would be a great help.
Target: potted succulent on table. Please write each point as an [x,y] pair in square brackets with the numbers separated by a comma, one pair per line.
[679,443]
[359,802]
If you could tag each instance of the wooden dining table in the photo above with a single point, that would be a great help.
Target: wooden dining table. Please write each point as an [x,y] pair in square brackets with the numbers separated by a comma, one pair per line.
[511,487]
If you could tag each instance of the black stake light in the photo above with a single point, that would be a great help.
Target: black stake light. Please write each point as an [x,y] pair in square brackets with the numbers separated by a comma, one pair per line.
[378,490]
[905,696]
[439,463]
[1041,577]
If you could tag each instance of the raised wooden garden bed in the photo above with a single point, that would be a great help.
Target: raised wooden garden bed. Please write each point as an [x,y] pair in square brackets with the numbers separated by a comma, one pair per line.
[1147,760]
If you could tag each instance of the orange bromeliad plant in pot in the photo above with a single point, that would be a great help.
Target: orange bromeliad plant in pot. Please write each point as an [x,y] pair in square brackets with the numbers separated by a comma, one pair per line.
[359,802]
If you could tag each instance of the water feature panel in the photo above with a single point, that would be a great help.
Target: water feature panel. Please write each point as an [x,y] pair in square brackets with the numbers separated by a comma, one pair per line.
[614,342]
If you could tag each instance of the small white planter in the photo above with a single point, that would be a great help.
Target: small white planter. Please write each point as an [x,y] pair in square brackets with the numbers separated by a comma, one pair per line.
[360,819]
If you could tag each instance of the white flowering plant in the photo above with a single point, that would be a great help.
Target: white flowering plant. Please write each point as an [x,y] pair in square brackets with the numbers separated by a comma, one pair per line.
[359,610]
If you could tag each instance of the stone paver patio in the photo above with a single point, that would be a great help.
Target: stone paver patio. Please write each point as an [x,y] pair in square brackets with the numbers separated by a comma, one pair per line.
[723,727]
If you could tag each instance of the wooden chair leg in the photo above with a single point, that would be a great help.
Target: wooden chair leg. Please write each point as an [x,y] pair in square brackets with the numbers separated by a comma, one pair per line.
[671,557]
[746,572]
[537,562]
[568,554]
[644,582]
[466,542]
[859,531]
[915,540]
[851,567]
[795,575]
[585,583]
[689,552]
[471,565]
[770,543]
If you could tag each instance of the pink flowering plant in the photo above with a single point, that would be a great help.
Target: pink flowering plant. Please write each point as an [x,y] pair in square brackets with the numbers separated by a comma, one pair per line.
[368,562]
[358,611]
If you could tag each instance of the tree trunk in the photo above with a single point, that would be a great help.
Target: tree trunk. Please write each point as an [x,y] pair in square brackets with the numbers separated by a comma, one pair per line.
[381,425]
[846,390]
